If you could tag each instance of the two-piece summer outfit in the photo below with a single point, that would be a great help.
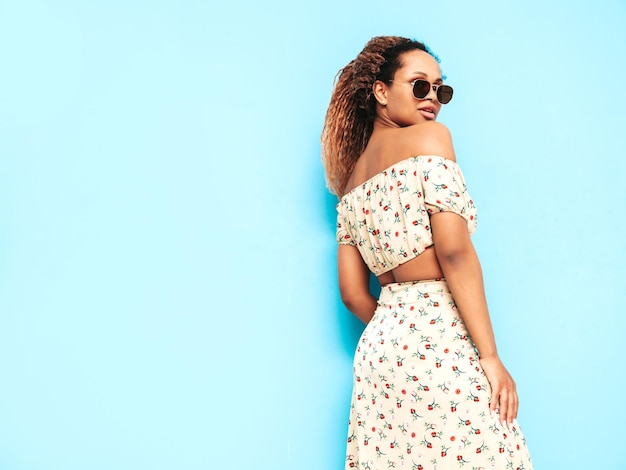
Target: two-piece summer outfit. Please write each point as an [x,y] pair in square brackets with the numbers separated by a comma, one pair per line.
[420,397]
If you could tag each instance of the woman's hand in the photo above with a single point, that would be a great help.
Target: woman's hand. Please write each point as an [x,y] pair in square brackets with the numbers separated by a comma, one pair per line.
[503,392]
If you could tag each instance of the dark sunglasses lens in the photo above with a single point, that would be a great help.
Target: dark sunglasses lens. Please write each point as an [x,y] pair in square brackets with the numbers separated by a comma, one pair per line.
[444,94]
[421,88]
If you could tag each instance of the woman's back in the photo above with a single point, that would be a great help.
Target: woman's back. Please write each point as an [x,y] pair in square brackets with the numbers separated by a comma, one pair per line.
[387,147]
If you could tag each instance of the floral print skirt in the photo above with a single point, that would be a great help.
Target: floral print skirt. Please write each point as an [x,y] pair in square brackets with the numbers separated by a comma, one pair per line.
[420,397]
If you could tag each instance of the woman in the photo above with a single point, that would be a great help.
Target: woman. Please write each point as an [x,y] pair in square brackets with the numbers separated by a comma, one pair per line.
[430,391]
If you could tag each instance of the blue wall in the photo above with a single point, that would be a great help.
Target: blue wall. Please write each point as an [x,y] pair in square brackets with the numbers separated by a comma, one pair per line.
[168,292]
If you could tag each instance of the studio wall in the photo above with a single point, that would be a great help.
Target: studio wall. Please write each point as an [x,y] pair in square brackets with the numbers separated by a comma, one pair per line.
[168,292]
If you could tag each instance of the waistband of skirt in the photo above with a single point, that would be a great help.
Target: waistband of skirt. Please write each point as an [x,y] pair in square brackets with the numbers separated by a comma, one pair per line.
[427,285]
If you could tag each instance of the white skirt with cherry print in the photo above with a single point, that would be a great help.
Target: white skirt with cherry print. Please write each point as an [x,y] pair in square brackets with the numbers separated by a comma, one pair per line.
[420,398]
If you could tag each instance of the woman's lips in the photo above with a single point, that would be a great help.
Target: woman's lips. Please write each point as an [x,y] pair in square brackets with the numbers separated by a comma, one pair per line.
[428,113]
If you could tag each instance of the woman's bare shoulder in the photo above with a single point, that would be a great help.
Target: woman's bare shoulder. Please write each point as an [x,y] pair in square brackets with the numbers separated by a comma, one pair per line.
[429,138]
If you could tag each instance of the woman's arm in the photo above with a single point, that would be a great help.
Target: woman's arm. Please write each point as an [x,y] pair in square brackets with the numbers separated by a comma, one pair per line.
[461,268]
[354,283]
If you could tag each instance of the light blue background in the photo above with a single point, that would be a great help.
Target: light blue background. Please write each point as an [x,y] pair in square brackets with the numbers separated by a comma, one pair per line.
[168,290]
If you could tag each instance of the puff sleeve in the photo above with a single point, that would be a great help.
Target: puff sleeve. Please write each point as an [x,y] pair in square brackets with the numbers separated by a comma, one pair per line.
[343,234]
[445,190]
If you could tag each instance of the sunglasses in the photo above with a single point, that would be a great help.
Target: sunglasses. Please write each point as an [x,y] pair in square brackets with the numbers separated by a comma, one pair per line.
[421,89]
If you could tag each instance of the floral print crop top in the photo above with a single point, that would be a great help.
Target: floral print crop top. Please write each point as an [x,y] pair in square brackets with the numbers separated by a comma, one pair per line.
[387,217]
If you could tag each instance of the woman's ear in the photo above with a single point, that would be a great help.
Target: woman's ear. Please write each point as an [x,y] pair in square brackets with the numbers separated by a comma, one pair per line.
[380,92]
